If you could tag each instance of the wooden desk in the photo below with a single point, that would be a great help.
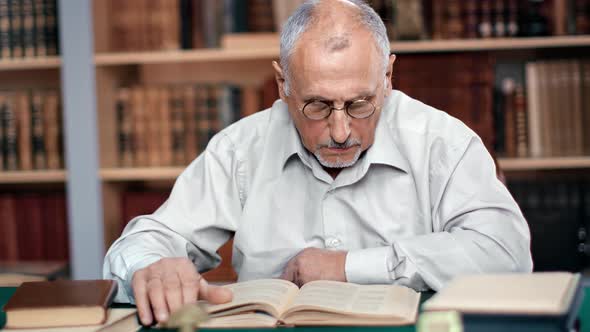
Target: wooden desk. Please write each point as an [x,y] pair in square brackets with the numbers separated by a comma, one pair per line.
[584,314]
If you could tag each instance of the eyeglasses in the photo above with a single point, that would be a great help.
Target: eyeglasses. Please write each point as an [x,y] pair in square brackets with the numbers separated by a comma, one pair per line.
[319,109]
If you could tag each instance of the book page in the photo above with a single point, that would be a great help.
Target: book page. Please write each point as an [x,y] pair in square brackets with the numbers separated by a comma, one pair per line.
[274,295]
[358,300]
[244,320]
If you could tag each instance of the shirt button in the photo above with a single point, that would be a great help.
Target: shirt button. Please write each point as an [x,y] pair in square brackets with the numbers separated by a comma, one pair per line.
[333,242]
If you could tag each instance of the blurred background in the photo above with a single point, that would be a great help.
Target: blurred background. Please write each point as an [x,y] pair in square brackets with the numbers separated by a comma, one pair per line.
[104,102]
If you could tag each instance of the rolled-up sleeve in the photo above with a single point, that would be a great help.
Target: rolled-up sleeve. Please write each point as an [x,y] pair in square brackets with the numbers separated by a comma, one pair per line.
[198,217]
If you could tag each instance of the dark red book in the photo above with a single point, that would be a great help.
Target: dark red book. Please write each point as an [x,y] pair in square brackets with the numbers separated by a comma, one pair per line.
[140,203]
[8,229]
[55,228]
[30,221]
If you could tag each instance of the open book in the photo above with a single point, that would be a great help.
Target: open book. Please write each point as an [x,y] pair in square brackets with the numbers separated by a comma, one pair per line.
[271,302]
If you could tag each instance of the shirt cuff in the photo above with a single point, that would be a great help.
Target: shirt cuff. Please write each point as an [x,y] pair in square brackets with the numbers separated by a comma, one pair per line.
[127,284]
[370,266]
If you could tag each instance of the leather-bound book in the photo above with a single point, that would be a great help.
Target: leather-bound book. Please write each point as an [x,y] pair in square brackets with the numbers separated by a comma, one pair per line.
[60,303]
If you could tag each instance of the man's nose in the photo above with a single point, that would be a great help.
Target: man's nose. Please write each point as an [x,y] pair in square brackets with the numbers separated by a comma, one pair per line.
[339,125]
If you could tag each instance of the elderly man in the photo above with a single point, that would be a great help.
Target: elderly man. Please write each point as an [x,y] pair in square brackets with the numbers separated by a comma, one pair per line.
[342,179]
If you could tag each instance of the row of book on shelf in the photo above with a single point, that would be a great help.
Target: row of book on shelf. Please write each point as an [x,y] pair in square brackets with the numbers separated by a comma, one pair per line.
[34,227]
[30,130]
[547,114]
[188,24]
[28,28]
[170,125]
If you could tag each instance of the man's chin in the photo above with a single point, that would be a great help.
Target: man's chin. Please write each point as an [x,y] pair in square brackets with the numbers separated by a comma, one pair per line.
[336,162]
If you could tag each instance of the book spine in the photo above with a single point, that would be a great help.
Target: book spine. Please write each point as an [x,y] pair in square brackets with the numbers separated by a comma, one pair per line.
[438,20]
[186,23]
[8,224]
[191,143]
[165,126]
[125,127]
[499,25]
[250,101]
[521,122]
[202,118]
[153,108]
[471,19]
[582,18]
[16,29]
[24,132]
[260,16]
[30,227]
[177,112]
[586,106]
[5,35]
[198,24]
[39,155]
[51,33]
[52,130]
[28,21]
[55,228]
[139,129]
[485,25]
[511,14]
[508,93]
[39,28]
[2,129]
[10,134]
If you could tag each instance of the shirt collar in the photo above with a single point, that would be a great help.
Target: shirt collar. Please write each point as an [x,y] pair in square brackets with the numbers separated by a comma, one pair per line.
[287,137]
[385,149]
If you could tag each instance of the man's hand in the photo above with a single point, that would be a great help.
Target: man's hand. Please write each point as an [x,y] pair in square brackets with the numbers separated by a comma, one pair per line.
[166,285]
[315,264]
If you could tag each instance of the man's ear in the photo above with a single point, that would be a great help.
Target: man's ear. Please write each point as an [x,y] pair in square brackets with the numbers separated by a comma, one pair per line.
[389,73]
[280,79]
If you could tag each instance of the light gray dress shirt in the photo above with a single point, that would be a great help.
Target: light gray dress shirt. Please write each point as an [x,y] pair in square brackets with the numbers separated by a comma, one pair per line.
[422,205]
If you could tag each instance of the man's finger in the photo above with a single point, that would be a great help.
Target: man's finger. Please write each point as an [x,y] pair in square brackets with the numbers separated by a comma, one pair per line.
[157,300]
[288,272]
[214,294]
[141,298]
[190,288]
[172,292]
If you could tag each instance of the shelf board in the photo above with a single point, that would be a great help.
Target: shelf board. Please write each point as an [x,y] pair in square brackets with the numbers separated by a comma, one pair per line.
[252,47]
[178,56]
[490,44]
[530,164]
[30,63]
[42,176]
[140,173]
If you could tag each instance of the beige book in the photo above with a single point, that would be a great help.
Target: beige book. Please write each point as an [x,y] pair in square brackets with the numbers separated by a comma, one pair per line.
[271,302]
[549,293]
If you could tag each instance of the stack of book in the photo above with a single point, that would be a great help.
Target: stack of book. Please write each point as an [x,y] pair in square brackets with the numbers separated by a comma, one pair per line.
[28,28]
[30,130]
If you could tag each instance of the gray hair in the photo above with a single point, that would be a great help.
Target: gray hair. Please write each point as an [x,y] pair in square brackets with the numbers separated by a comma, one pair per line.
[300,21]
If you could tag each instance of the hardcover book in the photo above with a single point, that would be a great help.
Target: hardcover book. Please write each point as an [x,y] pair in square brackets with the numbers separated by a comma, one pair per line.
[60,303]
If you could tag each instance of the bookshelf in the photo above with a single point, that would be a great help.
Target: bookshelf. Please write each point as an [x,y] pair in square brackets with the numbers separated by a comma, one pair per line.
[49,62]
[94,180]
[31,177]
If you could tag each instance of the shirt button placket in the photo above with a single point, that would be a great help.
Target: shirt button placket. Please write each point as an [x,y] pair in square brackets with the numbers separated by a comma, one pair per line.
[330,219]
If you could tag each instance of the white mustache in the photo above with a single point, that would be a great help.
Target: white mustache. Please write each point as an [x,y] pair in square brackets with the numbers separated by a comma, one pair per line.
[347,144]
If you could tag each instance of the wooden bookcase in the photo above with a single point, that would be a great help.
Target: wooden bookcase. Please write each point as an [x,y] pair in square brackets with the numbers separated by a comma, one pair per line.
[236,62]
